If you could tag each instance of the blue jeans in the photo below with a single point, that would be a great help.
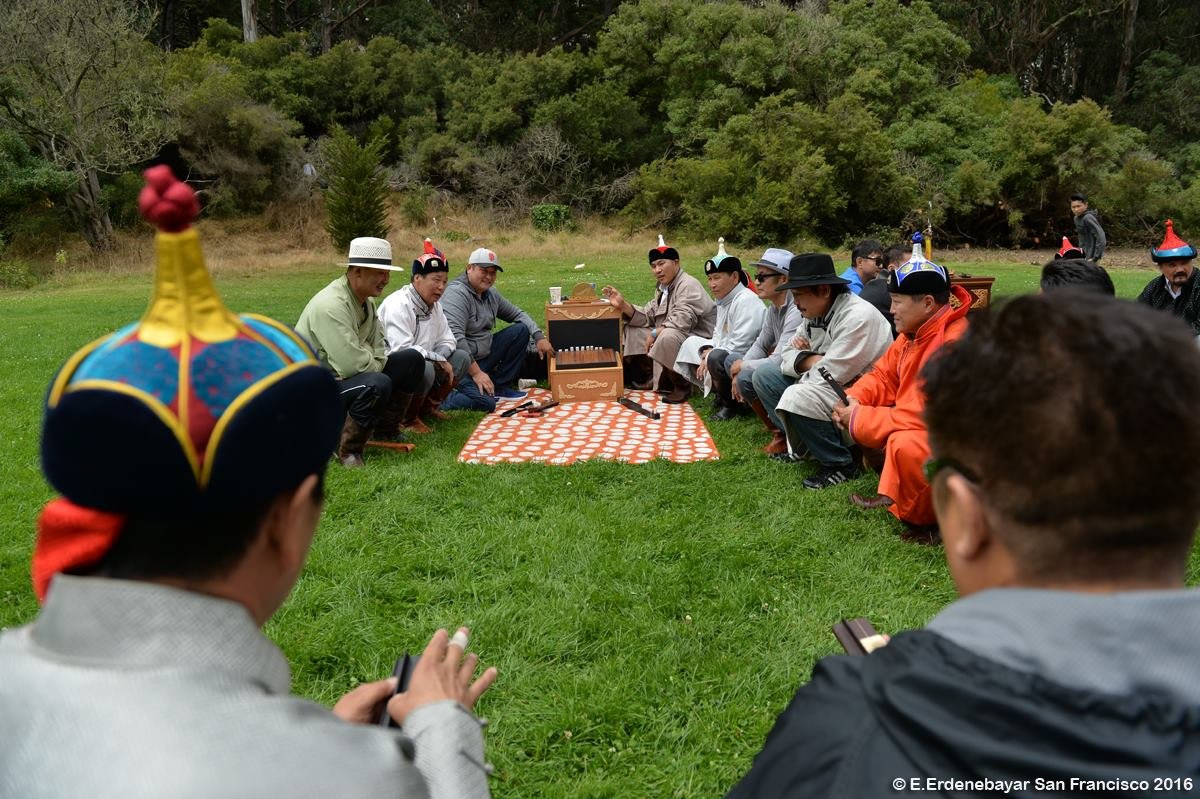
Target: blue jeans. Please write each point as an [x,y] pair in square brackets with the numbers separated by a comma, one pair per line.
[821,436]
[503,364]
[767,384]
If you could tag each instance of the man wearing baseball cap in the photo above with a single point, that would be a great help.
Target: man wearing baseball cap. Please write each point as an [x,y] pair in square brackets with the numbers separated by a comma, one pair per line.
[473,304]
[779,326]
[189,450]
[841,332]
[885,408]
[340,322]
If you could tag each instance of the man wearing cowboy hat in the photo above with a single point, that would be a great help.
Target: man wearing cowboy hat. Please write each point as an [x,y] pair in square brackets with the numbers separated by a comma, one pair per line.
[341,324]
[841,332]
[473,304]
[1178,291]
[739,320]
[190,450]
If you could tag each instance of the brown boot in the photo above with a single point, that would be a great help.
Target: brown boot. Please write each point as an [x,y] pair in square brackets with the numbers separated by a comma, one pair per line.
[350,447]
[778,443]
[429,408]
[412,420]
[679,388]
[387,426]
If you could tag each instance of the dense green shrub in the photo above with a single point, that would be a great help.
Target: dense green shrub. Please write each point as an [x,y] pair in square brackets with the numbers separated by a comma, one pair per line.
[357,197]
[551,217]
[18,274]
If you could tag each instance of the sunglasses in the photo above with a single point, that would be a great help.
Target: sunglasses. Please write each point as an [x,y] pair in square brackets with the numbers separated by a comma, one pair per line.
[762,277]
[913,267]
[935,465]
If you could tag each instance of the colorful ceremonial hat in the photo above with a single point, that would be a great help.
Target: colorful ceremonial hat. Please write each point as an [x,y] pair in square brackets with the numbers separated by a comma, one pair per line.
[1172,247]
[918,275]
[1068,250]
[432,260]
[192,408]
[663,251]
[724,262]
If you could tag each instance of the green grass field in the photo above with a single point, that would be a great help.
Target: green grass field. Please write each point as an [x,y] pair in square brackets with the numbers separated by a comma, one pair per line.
[648,621]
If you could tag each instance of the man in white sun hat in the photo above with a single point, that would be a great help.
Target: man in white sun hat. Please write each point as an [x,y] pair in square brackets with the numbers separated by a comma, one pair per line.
[472,305]
[341,324]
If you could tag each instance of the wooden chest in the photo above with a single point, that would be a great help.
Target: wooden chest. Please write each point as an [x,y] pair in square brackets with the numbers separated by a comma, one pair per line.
[588,339]
[980,288]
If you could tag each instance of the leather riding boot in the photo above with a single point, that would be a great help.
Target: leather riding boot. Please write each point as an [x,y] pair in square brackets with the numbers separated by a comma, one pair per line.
[778,443]
[387,426]
[350,446]
[412,409]
[429,408]
[680,388]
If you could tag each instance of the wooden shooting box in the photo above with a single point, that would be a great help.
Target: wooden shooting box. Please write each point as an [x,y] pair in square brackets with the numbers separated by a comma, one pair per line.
[594,375]
[980,288]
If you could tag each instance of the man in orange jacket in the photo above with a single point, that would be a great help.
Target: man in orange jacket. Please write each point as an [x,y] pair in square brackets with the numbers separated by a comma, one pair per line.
[885,405]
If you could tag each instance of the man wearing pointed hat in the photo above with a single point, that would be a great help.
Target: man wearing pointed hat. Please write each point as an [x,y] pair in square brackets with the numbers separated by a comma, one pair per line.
[1178,290]
[841,332]
[189,450]
[473,304]
[886,407]
[342,325]
[655,331]
[780,321]
[705,360]
[412,318]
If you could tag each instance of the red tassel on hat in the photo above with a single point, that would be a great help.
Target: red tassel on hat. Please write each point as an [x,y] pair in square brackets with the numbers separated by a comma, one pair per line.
[429,250]
[71,537]
[1171,241]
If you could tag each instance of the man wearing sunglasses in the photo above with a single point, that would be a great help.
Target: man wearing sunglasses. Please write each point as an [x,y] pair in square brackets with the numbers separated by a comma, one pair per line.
[1067,667]
[884,409]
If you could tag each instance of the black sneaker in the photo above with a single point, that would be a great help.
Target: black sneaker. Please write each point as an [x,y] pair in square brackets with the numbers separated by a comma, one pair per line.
[833,475]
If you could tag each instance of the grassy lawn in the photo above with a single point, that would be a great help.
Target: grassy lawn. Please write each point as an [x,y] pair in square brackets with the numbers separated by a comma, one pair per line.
[648,622]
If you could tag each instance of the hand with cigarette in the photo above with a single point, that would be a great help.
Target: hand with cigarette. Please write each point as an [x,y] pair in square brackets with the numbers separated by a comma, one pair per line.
[443,673]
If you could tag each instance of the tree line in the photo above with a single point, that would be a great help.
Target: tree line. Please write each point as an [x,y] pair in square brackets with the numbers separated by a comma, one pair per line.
[760,121]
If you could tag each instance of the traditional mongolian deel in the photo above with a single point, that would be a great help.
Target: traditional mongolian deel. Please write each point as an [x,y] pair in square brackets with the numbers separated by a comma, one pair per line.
[192,407]
[582,431]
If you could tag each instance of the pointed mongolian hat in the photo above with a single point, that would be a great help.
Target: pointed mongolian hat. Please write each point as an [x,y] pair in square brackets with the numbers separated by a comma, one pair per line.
[1068,250]
[918,275]
[663,251]
[1172,247]
[724,262]
[192,409]
[431,260]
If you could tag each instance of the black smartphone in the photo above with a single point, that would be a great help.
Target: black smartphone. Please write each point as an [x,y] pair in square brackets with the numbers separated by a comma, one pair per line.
[403,673]
[835,385]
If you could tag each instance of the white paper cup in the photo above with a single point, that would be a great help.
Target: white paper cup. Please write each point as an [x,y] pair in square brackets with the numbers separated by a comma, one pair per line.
[556,295]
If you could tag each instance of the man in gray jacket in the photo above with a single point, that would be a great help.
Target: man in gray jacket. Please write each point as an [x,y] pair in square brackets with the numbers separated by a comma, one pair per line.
[146,673]
[472,304]
[1087,225]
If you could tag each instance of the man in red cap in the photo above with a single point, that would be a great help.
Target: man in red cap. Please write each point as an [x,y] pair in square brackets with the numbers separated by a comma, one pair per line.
[190,450]
[1178,291]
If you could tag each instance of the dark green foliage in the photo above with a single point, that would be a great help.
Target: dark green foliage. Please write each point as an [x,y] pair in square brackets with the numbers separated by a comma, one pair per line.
[415,205]
[357,197]
[551,217]
[18,274]
[26,180]
[120,199]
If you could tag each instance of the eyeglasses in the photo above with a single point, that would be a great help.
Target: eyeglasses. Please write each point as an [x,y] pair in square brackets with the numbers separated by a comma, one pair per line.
[875,258]
[913,267]
[935,465]
[762,277]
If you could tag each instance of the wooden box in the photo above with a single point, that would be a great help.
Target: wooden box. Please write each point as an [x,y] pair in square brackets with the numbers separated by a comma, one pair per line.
[980,288]
[585,325]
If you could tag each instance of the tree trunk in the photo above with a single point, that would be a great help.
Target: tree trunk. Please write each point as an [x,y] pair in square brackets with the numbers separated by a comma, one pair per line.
[90,214]
[326,25]
[1122,87]
[249,21]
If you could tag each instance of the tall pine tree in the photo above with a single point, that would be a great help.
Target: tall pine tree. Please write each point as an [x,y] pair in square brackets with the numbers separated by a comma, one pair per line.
[357,197]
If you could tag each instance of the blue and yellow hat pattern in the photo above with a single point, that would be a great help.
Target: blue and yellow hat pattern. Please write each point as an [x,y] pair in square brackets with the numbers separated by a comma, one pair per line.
[192,404]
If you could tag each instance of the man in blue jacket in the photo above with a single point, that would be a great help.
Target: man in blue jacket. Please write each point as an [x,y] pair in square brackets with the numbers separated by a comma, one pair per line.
[1061,482]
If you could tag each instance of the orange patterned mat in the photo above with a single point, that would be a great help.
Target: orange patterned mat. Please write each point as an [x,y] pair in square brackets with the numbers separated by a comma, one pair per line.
[582,431]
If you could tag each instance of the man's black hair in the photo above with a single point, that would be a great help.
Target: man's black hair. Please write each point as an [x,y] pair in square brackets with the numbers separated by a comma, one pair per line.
[1079,273]
[193,546]
[864,249]
[1076,415]
[1079,196]
[897,254]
